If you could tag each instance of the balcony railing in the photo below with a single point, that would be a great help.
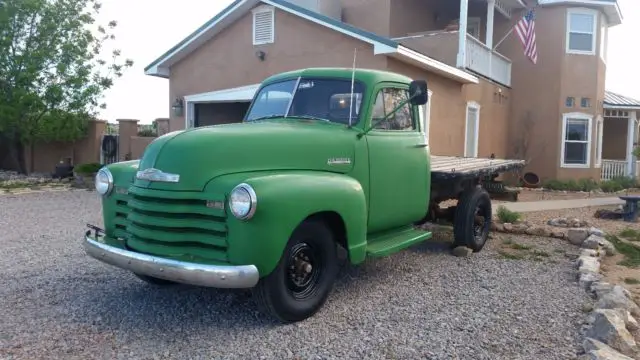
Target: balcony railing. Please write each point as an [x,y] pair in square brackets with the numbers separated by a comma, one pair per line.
[486,62]
[443,46]
[616,168]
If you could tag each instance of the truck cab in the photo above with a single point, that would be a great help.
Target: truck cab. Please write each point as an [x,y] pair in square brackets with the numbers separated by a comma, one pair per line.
[327,161]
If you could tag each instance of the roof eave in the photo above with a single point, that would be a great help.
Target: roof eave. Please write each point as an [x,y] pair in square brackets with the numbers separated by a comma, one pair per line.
[610,7]
[413,57]
[621,107]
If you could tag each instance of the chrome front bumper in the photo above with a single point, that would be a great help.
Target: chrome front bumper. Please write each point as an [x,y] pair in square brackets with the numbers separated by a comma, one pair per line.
[218,276]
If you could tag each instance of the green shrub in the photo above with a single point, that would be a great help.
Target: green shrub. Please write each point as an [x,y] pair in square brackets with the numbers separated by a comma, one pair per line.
[89,168]
[507,216]
[588,185]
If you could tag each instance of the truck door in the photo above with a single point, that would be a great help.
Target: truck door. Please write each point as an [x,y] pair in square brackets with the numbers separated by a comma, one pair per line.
[398,161]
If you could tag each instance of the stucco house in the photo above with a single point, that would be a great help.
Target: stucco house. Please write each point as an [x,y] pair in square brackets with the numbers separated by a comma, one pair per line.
[487,97]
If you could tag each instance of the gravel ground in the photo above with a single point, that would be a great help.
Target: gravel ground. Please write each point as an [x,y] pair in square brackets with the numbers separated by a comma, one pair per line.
[421,303]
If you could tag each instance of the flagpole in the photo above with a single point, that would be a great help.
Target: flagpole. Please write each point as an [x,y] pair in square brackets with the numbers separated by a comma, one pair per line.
[503,39]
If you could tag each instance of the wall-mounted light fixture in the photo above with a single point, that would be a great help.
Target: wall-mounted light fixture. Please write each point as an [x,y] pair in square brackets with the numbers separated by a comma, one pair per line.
[177,107]
[260,55]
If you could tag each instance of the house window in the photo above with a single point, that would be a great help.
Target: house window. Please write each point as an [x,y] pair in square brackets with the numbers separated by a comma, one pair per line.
[472,128]
[581,31]
[604,37]
[576,140]
[425,117]
[569,102]
[585,102]
[599,124]
[386,101]
[263,25]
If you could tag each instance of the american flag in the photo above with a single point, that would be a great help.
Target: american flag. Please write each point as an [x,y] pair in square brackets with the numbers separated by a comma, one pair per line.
[526,31]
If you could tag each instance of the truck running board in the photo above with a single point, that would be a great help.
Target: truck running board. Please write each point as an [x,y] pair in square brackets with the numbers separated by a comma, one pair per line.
[390,242]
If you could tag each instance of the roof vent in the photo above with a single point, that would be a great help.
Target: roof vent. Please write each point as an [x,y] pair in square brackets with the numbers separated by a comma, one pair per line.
[263,21]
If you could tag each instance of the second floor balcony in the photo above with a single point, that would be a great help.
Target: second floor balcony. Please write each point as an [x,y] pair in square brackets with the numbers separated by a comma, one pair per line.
[479,58]
[438,36]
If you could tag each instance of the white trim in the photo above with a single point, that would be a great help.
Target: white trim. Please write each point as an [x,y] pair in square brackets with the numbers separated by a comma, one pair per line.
[611,8]
[476,106]
[577,116]
[264,9]
[631,134]
[604,37]
[189,115]
[594,33]
[599,137]
[437,66]
[241,93]
[462,34]
[488,36]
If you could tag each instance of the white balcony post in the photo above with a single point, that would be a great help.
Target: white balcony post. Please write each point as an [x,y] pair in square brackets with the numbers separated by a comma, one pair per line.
[631,134]
[632,139]
[462,34]
[491,7]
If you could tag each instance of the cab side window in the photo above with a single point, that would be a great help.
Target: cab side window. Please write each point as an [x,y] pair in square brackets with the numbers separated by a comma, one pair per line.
[386,101]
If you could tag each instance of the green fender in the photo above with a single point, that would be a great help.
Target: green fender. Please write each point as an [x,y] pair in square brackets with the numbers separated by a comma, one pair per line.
[284,200]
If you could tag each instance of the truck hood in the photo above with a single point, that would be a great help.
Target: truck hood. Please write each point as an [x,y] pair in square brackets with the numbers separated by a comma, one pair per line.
[201,154]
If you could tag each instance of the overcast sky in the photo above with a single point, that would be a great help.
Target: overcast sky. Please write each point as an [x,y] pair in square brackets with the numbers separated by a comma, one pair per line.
[148,28]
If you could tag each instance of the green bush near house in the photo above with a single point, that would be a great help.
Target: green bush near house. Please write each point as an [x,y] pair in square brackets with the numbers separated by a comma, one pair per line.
[507,216]
[613,185]
[88,168]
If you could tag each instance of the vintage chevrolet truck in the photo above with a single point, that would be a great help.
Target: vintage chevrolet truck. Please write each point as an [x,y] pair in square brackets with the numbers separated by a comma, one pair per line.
[326,161]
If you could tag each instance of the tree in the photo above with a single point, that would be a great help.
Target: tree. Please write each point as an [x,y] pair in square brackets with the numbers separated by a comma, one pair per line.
[52,73]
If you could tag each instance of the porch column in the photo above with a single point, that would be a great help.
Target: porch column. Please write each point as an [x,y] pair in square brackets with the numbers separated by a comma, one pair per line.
[462,34]
[632,139]
[491,7]
[631,134]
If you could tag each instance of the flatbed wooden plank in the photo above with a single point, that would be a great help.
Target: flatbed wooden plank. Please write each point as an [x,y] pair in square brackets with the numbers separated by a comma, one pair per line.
[452,166]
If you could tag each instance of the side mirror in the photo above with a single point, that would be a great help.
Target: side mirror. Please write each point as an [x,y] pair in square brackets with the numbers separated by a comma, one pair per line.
[418,92]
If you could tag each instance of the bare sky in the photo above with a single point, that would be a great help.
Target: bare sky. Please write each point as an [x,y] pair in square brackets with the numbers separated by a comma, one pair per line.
[148,28]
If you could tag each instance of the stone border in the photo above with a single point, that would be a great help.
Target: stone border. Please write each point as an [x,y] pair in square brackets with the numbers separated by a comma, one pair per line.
[611,325]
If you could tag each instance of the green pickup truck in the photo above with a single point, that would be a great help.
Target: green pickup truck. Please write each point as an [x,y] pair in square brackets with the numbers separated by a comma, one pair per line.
[328,165]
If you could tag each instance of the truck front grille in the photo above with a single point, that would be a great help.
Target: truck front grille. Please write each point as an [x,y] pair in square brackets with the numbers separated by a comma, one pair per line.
[169,225]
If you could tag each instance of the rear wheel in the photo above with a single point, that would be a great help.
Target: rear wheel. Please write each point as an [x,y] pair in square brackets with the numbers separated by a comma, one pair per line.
[299,286]
[472,219]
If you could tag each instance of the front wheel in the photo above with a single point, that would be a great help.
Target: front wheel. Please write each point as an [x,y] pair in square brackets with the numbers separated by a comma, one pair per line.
[472,219]
[299,286]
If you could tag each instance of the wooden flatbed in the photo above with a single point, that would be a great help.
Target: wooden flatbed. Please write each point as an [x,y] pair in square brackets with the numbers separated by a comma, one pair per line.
[448,167]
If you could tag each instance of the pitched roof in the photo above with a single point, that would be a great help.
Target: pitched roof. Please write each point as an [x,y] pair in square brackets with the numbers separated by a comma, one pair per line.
[617,101]
[381,45]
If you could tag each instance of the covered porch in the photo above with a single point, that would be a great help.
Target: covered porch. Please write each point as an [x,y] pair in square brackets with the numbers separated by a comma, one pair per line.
[617,133]
[467,40]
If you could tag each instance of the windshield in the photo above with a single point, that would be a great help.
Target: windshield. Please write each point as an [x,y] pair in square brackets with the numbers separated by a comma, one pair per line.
[322,99]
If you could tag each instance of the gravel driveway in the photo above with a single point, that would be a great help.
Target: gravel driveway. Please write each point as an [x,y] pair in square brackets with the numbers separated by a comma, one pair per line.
[423,303]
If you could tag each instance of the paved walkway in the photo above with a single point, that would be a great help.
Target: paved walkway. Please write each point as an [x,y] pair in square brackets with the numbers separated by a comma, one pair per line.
[542,205]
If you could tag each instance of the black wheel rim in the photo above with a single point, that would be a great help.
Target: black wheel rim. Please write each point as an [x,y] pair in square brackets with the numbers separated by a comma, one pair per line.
[481,224]
[304,267]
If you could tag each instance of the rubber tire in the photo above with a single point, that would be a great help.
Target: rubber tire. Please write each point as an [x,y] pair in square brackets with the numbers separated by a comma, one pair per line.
[154,281]
[465,216]
[271,293]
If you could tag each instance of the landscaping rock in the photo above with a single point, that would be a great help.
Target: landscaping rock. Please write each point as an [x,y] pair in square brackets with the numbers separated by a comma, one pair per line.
[590,253]
[596,231]
[577,236]
[461,251]
[593,242]
[609,248]
[596,350]
[558,234]
[609,327]
[588,264]
[617,298]
[586,280]
[568,223]
[508,227]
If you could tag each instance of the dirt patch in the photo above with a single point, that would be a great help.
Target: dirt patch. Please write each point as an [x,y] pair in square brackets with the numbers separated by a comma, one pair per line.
[615,273]
[586,213]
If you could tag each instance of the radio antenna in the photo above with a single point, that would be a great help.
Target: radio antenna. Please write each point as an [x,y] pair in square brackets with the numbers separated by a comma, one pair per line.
[353,77]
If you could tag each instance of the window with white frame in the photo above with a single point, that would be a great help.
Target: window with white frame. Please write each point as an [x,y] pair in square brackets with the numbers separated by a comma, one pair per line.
[472,128]
[581,31]
[598,137]
[576,140]
[425,116]
[263,25]
[604,37]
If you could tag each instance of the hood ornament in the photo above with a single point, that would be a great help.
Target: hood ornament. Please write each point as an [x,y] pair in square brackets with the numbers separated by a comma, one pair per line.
[152,174]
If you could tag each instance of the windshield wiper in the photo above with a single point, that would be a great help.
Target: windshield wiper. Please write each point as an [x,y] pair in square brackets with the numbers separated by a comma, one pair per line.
[272,116]
[308,117]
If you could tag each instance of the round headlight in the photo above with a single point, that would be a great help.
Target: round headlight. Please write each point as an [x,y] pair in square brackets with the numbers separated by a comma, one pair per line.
[104,181]
[243,201]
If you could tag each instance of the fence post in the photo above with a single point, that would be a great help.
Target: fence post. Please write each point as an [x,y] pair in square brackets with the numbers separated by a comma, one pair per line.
[126,129]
